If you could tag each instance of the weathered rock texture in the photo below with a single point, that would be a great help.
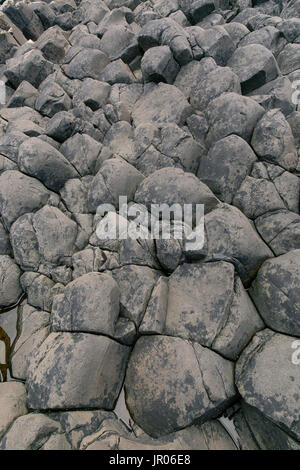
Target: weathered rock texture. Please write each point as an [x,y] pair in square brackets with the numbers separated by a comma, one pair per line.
[171,105]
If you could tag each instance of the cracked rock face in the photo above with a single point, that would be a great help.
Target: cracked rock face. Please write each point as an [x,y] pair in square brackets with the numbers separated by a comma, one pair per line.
[116,116]
[282,405]
[171,382]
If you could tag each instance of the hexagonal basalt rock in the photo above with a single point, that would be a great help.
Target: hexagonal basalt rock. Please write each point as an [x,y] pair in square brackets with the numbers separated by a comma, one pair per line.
[208,304]
[20,194]
[273,141]
[112,434]
[276,291]
[33,329]
[280,230]
[5,248]
[136,284]
[212,84]
[255,65]
[158,65]
[170,383]
[172,185]
[44,162]
[82,151]
[229,236]
[268,379]
[231,113]
[257,196]
[166,32]
[89,304]
[267,434]
[84,63]
[32,432]
[10,287]
[76,370]
[55,232]
[161,103]
[32,67]
[115,178]
[226,165]
[149,224]
[13,404]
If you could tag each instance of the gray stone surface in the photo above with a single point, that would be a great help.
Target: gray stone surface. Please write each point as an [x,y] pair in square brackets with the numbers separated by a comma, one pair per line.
[197,10]
[41,160]
[288,59]
[273,141]
[232,114]
[225,166]
[24,18]
[92,93]
[236,31]
[165,371]
[61,126]
[267,36]
[136,284]
[166,32]
[255,65]
[117,72]
[219,80]
[84,63]
[13,404]
[159,65]
[173,146]
[24,242]
[273,391]
[74,194]
[52,99]
[116,40]
[221,318]
[39,290]
[25,95]
[58,240]
[256,196]
[161,103]
[33,432]
[115,178]
[10,288]
[275,292]
[155,316]
[280,229]
[65,361]
[214,42]
[19,194]
[165,102]
[89,304]
[231,237]
[82,151]
[267,434]
[192,74]
[9,144]
[5,248]
[33,329]
[113,435]
[276,94]
[77,425]
[119,141]
[53,44]
[173,186]
[32,67]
